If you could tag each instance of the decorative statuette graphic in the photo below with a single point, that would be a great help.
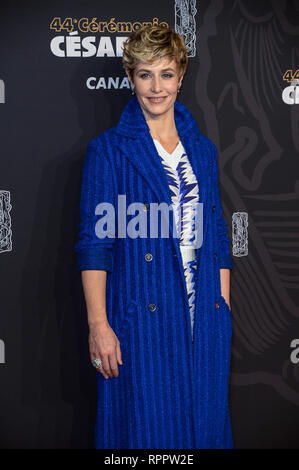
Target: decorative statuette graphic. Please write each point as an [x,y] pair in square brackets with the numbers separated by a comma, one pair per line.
[2,352]
[290,94]
[5,222]
[185,11]
[2,92]
[294,357]
[240,233]
[294,95]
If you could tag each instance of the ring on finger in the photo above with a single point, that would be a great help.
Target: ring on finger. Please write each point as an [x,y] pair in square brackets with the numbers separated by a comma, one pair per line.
[97,362]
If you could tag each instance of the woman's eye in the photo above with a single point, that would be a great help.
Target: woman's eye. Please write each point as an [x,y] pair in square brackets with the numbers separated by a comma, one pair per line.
[168,75]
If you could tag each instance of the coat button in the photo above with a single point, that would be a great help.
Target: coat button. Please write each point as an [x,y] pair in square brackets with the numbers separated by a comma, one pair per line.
[146,206]
[217,305]
[213,208]
[152,307]
[148,257]
[215,255]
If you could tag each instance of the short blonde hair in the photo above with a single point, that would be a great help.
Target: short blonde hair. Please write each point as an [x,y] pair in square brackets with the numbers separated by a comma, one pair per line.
[152,43]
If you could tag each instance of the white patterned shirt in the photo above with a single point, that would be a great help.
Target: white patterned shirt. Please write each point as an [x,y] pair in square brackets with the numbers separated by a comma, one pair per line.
[184,192]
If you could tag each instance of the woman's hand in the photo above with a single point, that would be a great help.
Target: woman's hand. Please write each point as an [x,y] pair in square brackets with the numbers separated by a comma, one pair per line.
[104,344]
[225,285]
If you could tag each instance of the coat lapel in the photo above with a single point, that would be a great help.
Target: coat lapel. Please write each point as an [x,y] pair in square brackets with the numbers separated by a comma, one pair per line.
[148,164]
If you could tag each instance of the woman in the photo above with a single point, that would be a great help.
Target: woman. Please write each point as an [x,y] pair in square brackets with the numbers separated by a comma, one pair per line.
[158,307]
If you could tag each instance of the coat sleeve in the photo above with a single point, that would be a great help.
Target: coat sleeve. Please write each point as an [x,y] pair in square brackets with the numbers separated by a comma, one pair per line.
[94,253]
[223,242]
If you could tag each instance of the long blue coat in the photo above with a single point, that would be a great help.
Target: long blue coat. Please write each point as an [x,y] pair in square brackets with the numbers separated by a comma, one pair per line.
[169,393]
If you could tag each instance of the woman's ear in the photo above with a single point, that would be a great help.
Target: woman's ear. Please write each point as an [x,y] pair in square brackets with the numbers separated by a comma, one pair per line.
[129,76]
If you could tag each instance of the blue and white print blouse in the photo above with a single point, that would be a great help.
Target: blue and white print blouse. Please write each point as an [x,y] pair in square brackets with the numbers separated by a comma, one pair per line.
[184,193]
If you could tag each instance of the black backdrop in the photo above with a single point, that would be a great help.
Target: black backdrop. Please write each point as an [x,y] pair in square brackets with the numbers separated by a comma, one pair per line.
[239,52]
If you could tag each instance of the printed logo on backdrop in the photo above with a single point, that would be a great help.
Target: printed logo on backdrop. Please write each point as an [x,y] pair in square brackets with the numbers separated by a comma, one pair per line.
[290,94]
[5,222]
[2,92]
[93,37]
[84,37]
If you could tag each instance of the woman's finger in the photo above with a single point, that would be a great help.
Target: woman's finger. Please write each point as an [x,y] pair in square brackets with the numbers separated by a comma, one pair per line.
[106,365]
[100,369]
[113,364]
[118,353]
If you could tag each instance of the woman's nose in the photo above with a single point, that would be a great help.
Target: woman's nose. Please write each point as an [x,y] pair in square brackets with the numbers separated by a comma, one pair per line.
[156,86]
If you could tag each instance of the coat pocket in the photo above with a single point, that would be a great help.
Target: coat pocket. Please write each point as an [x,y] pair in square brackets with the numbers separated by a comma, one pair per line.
[225,321]
[222,302]
[129,316]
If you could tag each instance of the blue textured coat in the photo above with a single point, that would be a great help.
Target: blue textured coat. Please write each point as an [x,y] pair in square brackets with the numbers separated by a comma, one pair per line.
[169,394]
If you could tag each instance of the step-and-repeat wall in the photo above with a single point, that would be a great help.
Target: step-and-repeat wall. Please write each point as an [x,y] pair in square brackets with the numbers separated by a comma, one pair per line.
[61,84]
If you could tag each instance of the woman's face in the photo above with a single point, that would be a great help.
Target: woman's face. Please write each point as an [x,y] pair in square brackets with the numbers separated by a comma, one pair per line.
[158,80]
